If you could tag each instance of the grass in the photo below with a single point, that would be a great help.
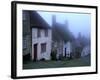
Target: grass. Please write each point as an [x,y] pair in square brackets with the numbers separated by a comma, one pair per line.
[56,64]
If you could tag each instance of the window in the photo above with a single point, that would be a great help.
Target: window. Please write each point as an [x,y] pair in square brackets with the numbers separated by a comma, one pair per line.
[39,33]
[46,33]
[43,47]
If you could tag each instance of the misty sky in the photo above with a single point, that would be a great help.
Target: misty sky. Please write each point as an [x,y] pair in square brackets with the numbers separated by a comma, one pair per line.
[76,22]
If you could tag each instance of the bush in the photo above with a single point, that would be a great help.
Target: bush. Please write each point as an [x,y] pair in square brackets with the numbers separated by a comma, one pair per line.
[26,57]
[78,52]
[43,59]
[69,58]
[53,55]
[61,57]
[71,55]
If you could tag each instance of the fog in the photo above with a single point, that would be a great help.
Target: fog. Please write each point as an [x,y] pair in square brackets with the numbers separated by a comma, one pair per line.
[76,22]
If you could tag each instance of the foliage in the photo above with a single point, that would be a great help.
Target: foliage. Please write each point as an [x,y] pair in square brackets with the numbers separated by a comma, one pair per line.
[53,55]
[60,57]
[57,64]
[78,52]
[43,59]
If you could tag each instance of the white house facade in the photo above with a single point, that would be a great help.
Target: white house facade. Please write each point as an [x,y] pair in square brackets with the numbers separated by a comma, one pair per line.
[41,44]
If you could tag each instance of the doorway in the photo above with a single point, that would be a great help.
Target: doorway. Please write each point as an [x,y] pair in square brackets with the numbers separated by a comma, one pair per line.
[35,52]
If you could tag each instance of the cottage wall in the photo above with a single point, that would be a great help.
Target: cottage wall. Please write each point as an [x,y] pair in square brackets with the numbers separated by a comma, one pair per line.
[39,41]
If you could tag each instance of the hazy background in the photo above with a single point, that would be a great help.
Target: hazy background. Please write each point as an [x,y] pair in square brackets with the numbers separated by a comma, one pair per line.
[77,22]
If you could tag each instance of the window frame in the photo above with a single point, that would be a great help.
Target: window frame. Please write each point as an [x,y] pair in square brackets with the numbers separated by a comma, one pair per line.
[43,47]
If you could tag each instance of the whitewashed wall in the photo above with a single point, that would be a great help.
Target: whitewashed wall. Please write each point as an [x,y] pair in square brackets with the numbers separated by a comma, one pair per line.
[40,40]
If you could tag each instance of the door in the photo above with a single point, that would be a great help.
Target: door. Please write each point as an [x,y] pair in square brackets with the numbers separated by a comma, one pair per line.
[35,52]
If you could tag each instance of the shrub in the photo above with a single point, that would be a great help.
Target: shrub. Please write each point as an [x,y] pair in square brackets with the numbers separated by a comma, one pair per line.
[53,55]
[43,59]
[78,52]
[61,57]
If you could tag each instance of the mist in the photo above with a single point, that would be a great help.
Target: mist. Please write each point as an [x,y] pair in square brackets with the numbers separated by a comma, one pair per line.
[76,22]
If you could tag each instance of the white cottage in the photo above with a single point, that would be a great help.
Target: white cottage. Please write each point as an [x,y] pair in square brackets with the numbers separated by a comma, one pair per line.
[36,36]
[41,43]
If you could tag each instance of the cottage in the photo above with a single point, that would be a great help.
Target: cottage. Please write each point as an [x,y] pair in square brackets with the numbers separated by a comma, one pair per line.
[37,36]
[57,37]
[58,48]
[41,43]
[85,51]
[61,37]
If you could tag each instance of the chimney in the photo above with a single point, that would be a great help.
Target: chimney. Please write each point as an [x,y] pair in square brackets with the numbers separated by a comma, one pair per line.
[53,20]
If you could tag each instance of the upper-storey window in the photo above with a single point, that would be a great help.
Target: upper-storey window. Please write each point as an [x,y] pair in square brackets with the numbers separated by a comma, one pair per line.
[46,33]
[43,47]
[38,33]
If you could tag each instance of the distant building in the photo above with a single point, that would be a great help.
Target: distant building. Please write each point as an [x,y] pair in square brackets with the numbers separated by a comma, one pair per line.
[76,48]
[60,37]
[36,36]
[85,51]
